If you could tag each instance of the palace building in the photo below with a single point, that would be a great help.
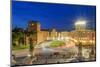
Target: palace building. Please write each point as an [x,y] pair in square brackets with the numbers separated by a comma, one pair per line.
[79,34]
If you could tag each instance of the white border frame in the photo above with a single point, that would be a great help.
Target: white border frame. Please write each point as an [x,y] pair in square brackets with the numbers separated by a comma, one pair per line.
[5,32]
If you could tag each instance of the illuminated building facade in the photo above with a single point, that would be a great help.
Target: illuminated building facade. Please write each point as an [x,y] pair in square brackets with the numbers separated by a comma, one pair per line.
[79,34]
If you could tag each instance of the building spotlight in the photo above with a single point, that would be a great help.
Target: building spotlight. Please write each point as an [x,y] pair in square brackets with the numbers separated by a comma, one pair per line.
[80,22]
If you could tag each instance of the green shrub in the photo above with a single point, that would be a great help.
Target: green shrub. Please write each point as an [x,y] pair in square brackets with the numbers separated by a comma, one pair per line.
[20,47]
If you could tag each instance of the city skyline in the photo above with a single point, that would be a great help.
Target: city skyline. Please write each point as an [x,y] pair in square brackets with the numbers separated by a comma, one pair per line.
[58,16]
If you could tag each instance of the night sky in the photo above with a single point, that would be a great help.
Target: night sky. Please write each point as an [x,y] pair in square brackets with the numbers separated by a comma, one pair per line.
[59,16]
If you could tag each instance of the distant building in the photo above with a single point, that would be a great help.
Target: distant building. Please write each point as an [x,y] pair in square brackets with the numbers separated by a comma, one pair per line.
[80,25]
[34,26]
[38,34]
[79,34]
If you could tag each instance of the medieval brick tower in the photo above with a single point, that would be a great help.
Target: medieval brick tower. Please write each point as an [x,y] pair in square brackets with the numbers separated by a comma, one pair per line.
[34,26]
[34,29]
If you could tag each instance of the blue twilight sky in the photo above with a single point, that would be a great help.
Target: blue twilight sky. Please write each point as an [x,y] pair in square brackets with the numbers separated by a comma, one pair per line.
[59,16]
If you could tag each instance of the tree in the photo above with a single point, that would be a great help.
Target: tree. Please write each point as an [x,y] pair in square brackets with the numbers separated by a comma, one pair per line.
[17,37]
